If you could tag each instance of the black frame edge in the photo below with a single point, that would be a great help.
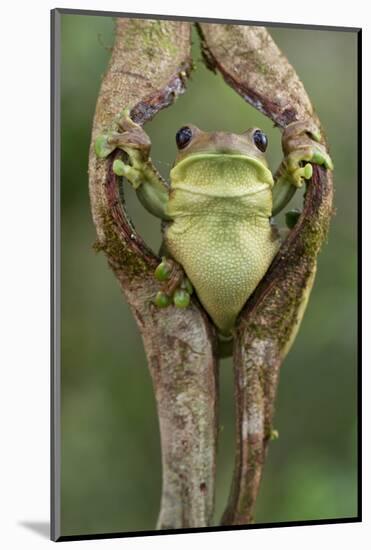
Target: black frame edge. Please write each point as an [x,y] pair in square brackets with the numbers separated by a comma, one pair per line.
[55,386]
[131,534]
[167,17]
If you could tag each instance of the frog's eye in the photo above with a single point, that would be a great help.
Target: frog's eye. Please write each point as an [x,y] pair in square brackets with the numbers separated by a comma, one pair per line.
[183,137]
[260,140]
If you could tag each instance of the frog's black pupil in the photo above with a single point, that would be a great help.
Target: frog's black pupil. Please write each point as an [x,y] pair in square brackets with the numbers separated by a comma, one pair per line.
[183,137]
[260,140]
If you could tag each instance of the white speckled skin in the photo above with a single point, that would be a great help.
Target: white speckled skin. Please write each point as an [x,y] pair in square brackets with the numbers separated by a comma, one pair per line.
[221,204]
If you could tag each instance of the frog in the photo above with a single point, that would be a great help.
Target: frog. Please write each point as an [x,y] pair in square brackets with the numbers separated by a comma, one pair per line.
[217,212]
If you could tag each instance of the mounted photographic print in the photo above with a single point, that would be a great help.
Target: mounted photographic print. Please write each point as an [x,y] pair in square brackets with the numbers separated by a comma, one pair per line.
[205,189]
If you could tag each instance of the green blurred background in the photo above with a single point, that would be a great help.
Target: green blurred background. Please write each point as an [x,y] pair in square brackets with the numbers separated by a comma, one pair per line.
[111,466]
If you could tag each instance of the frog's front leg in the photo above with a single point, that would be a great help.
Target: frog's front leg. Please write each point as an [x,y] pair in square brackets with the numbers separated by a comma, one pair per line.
[153,193]
[136,166]
[301,146]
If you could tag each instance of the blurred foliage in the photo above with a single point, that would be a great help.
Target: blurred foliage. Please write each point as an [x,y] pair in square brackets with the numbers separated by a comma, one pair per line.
[111,464]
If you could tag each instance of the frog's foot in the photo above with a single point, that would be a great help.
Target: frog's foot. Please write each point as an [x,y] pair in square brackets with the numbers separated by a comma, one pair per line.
[301,145]
[176,287]
[134,163]
[133,140]
[129,137]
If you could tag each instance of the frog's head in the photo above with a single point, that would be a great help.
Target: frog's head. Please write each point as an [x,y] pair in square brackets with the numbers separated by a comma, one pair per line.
[221,163]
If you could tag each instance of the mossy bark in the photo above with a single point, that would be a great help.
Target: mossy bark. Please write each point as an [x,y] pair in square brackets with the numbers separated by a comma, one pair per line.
[148,69]
[253,65]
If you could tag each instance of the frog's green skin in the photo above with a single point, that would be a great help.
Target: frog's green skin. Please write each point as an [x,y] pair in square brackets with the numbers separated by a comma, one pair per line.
[221,203]
[218,207]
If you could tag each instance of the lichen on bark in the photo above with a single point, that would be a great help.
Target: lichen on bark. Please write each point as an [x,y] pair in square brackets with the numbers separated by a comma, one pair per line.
[145,74]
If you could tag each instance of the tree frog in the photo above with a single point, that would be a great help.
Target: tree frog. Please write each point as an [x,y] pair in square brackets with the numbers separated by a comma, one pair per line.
[219,237]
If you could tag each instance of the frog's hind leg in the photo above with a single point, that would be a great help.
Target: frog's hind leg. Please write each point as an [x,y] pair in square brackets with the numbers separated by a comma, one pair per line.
[176,287]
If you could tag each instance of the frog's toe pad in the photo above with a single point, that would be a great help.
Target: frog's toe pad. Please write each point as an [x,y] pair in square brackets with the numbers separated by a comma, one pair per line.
[182,293]
[181,298]
[119,168]
[177,288]
[302,173]
[301,142]
[162,299]
[102,146]
[321,157]
[163,270]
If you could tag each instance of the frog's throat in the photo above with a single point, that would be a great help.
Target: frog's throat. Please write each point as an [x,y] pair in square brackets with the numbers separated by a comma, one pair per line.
[263,173]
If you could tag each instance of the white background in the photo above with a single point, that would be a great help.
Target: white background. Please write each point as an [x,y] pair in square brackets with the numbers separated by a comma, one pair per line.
[24,288]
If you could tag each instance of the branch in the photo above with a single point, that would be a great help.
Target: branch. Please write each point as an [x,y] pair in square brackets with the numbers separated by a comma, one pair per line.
[147,71]
[252,64]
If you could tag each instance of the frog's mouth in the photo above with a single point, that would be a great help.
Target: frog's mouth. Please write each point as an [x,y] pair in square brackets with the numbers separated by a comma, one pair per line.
[221,172]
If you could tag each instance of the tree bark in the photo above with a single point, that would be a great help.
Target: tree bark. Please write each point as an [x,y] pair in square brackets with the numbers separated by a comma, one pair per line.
[148,69]
[252,64]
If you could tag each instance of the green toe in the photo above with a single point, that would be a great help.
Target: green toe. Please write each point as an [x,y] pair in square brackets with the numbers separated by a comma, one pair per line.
[163,271]
[308,171]
[323,159]
[119,168]
[102,147]
[304,172]
[181,298]
[162,300]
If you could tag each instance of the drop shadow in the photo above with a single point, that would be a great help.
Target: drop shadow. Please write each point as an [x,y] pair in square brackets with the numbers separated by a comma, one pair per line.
[42,528]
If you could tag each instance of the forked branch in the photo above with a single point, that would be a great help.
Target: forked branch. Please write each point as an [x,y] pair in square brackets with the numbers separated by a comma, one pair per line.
[148,69]
[253,65]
